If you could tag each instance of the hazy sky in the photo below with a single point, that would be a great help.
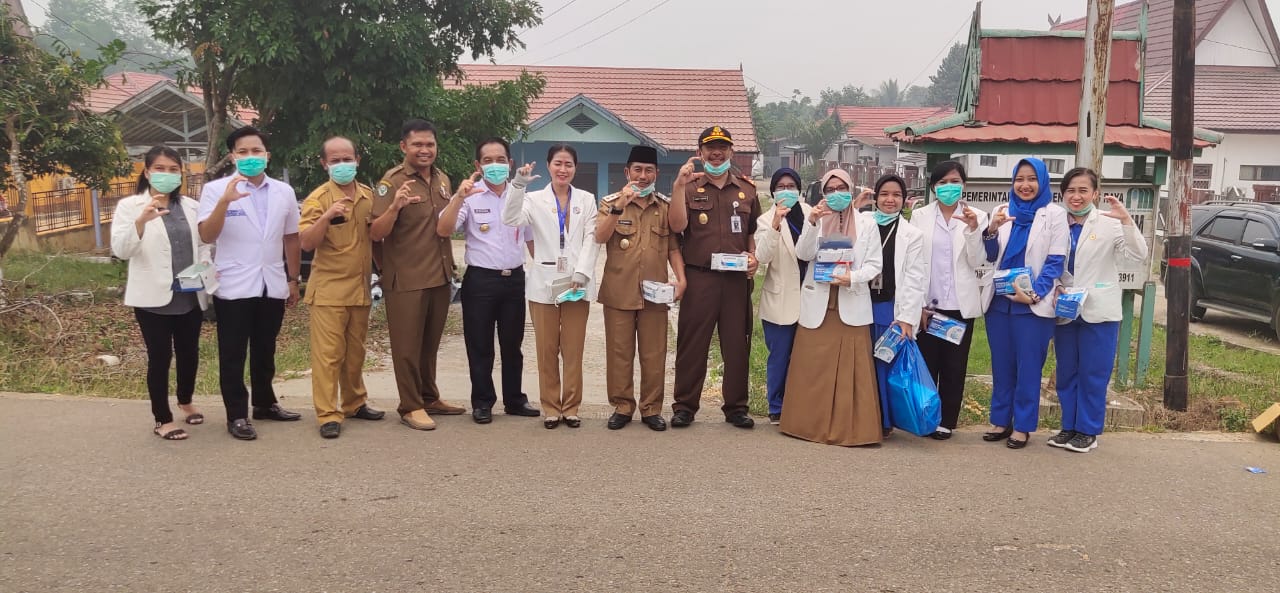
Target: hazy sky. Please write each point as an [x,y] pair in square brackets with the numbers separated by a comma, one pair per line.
[780,44]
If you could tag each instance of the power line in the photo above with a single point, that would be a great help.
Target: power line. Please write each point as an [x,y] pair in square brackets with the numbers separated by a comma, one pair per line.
[546,18]
[766,87]
[1238,46]
[575,29]
[606,33]
[50,14]
[946,47]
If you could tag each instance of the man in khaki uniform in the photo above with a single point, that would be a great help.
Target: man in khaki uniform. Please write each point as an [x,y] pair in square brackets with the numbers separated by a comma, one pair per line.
[417,270]
[716,213]
[335,224]
[633,226]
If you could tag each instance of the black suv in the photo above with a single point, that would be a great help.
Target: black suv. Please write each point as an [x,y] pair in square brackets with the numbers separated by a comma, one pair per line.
[1235,260]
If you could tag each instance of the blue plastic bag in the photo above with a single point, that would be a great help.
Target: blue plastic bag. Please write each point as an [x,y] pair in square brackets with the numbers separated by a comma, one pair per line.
[914,405]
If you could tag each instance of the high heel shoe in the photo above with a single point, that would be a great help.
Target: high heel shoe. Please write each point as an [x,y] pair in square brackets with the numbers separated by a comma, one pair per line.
[992,437]
[551,422]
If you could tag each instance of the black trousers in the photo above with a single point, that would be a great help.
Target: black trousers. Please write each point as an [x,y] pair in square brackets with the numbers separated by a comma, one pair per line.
[166,336]
[247,326]
[490,299]
[948,365]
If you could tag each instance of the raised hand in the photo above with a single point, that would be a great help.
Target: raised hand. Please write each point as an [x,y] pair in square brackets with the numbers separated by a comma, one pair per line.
[687,173]
[233,193]
[779,212]
[626,195]
[998,219]
[153,211]
[468,187]
[404,197]
[864,199]
[339,208]
[969,216]
[1117,211]
[820,211]
[524,175]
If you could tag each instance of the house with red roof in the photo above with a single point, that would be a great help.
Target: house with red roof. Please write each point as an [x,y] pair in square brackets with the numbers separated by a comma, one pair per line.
[865,152]
[602,112]
[1237,89]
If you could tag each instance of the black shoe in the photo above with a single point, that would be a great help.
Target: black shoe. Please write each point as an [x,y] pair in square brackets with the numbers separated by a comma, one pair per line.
[551,422]
[572,421]
[940,434]
[525,409]
[654,422]
[241,429]
[992,437]
[367,413]
[681,419]
[1082,443]
[482,415]
[775,419]
[740,420]
[617,421]
[1061,439]
[331,430]
[1016,444]
[275,412]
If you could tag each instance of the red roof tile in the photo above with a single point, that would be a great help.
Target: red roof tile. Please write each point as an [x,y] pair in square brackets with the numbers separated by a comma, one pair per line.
[1228,98]
[1159,25]
[870,122]
[1124,136]
[669,105]
[122,86]
[1037,80]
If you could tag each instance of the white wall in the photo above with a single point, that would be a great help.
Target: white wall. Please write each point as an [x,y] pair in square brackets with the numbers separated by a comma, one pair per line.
[1241,149]
[1235,41]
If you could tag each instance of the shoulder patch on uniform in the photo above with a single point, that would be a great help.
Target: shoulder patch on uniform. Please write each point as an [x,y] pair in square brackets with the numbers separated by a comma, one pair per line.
[609,198]
[384,186]
[749,181]
[662,196]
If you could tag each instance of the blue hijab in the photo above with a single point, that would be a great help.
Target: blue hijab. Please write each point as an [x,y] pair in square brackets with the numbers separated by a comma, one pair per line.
[1024,213]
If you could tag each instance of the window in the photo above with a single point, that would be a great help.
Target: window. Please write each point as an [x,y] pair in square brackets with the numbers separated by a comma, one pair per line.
[1055,165]
[1259,173]
[1128,170]
[1225,229]
[987,160]
[1256,230]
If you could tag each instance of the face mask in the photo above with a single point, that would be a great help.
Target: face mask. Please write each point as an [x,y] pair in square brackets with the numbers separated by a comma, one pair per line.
[165,182]
[1083,211]
[251,166]
[883,219]
[342,173]
[786,198]
[948,193]
[715,170]
[495,173]
[570,296]
[642,191]
[839,200]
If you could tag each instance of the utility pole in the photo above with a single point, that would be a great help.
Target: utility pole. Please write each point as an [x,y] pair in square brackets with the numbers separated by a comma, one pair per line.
[1178,215]
[1097,76]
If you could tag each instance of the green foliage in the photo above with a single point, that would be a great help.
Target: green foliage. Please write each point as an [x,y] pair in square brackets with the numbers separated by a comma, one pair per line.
[849,96]
[890,94]
[945,85]
[82,25]
[818,136]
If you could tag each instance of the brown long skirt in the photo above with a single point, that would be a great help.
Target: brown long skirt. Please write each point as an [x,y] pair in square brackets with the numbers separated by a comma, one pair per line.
[831,395]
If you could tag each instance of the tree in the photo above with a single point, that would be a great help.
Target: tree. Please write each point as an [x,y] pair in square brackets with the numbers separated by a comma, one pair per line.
[849,96]
[817,137]
[945,85]
[315,67]
[916,96]
[890,94]
[763,126]
[83,24]
[46,128]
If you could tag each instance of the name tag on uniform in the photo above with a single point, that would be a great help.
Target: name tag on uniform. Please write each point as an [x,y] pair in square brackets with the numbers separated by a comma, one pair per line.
[482,210]
[236,213]
[562,265]
[877,283]
[735,224]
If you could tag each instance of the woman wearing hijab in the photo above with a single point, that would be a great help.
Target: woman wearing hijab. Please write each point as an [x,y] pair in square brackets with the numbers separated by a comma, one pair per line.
[831,388]
[1085,348]
[952,251]
[1030,232]
[560,284]
[777,232]
[897,294]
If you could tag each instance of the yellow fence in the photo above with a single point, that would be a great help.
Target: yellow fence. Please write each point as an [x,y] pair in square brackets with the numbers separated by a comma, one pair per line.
[57,210]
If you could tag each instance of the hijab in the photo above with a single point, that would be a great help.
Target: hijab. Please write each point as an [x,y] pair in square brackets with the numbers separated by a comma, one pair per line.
[831,224]
[1024,213]
[795,217]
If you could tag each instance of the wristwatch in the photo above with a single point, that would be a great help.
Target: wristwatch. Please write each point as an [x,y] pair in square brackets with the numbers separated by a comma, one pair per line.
[289,279]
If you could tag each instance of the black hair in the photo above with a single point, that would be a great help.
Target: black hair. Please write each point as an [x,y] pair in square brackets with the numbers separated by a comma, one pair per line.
[158,150]
[1076,172]
[506,146]
[245,132]
[416,125]
[942,169]
[354,148]
[890,178]
[558,148]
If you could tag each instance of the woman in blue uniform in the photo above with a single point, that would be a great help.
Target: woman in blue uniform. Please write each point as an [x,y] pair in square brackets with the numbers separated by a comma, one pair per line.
[1029,232]
[1086,347]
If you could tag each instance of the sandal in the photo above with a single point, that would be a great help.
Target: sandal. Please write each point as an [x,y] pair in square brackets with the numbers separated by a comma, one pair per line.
[176,434]
[195,419]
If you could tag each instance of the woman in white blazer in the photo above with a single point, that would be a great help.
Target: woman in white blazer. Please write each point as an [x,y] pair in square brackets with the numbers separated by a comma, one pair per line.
[831,387]
[1030,231]
[776,234]
[955,268]
[562,220]
[897,293]
[155,230]
[1086,346]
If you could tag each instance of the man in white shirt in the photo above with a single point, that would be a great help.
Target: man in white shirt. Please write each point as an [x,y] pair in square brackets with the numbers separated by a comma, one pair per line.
[257,255]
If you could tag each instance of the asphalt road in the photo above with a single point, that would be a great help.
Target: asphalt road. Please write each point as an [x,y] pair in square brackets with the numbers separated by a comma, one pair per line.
[91,501]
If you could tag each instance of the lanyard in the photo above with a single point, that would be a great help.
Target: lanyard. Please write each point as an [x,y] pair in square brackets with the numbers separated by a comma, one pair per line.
[562,214]
[890,235]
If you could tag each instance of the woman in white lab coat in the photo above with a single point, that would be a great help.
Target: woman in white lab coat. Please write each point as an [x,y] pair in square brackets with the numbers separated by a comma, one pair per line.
[777,231]
[1085,347]
[561,281]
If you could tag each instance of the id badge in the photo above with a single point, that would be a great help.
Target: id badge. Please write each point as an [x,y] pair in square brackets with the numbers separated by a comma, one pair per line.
[562,265]
[735,224]
[877,283]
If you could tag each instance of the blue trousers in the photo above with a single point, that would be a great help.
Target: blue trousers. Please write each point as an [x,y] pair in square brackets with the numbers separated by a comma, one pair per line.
[1086,354]
[1019,345]
[778,339]
[881,319]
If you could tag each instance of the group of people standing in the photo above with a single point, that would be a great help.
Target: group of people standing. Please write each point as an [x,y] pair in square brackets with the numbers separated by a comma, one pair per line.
[837,279]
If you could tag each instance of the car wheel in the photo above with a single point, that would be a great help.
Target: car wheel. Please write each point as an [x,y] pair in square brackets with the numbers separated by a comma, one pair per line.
[1197,312]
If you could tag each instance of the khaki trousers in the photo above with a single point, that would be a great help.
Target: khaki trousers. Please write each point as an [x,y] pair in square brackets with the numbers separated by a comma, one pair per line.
[622,331]
[415,322]
[337,360]
[559,334]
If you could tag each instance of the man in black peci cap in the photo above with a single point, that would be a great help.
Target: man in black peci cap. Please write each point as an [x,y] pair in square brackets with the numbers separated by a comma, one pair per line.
[718,224]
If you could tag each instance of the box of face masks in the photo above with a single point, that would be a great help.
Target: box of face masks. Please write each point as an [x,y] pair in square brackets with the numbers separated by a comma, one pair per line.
[190,279]
[889,344]
[946,328]
[1005,279]
[1070,302]
[729,262]
[658,292]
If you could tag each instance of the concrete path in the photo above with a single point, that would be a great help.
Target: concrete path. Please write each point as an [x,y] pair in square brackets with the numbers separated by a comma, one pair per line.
[91,501]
